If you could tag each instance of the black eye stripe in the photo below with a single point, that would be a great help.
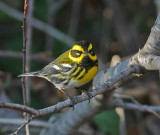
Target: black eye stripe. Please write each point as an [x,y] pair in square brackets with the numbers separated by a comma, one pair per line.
[76,53]
[92,52]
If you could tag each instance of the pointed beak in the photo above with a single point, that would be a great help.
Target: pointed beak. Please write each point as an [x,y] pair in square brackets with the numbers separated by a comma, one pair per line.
[85,53]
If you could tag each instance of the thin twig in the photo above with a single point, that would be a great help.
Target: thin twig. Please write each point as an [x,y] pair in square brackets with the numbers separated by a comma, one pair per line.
[99,90]
[132,106]
[120,96]
[115,103]
[18,107]
[28,45]
[19,121]
[25,82]
[18,55]
[24,53]
[136,102]
[23,125]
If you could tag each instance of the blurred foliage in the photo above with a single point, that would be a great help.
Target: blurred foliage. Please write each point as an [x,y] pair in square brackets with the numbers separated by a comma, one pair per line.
[41,9]
[108,122]
[1,131]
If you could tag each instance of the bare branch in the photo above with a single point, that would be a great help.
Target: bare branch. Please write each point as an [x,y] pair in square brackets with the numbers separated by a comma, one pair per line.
[38,57]
[115,103]
[25,64]
[19,121]
[99,90]
[131,106]
[23,125]
[28,39]
[28,6]
[18,107]
[79,116]
[102,88]
[136,102]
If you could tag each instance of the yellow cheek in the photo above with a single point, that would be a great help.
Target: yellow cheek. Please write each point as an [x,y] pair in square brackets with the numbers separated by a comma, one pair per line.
[90,47]
[93,57]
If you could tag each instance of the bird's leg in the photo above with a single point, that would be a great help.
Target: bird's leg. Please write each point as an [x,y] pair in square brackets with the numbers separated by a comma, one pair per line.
[85,92]
[72,100]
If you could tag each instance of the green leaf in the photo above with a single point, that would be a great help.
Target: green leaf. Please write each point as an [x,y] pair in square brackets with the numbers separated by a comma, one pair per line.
[107,122]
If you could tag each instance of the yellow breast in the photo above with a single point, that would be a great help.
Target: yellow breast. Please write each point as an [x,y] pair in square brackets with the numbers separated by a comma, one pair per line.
[89,75]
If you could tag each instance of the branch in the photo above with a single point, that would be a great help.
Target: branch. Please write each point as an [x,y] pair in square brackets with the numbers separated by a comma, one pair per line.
[115,103]
[102,88]
[26,50]
[53,32]
[25,64]
[38,57]
[136,103]
[19,121]
[23,125]
[18,107]
[67,103]
[136,107]
[28,39]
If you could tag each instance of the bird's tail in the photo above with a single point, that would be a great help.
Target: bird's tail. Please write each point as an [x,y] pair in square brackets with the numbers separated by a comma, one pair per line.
[29,74]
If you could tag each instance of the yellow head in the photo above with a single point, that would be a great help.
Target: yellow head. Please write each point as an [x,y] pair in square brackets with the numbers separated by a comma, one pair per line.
[82,50]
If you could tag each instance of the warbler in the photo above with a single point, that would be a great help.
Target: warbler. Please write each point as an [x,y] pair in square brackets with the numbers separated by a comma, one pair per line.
[72,69]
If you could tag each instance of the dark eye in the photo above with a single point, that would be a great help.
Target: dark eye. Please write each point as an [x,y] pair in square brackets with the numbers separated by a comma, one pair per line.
[76,53]
[92,52]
